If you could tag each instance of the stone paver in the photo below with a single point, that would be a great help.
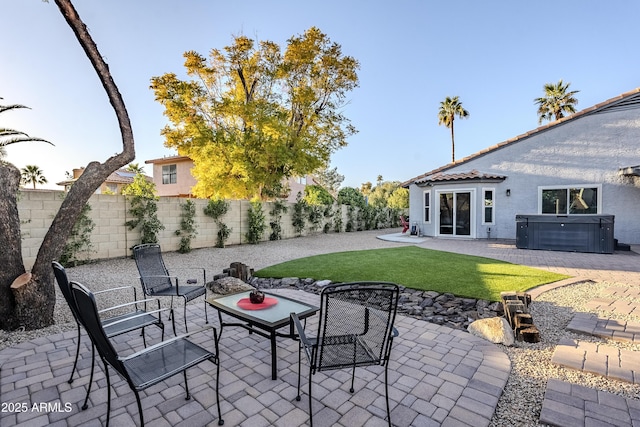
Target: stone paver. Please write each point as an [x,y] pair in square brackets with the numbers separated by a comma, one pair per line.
[426,373]
[590,324]
[567,404]
[438,376]
[600,359]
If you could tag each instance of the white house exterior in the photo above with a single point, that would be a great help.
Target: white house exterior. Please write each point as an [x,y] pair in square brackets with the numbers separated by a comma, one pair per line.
[586,164]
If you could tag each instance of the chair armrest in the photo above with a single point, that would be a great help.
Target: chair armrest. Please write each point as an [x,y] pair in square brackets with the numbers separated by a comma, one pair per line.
[169,341]
[115,307]
[134,317]
[119,288]
[304,341]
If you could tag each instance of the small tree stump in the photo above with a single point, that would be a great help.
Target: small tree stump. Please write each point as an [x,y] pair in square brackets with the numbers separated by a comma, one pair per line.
[29,300]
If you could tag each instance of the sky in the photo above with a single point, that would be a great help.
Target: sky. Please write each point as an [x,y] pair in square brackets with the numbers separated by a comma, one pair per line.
[496,55]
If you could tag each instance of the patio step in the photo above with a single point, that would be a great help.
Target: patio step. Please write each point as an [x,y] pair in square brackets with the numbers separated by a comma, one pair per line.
[618,330]
[599,359]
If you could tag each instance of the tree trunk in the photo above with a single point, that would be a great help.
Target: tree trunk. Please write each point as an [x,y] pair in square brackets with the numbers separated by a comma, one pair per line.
[453,145]
[40,289]
[10,241]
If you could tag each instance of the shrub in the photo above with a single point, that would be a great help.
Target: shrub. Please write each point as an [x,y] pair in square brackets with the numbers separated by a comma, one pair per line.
[256,223]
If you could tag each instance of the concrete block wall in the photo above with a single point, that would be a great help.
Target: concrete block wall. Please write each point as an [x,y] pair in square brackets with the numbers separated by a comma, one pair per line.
[112,239]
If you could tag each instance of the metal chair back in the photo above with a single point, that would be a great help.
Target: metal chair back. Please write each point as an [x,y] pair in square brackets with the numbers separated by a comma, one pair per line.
[154,275]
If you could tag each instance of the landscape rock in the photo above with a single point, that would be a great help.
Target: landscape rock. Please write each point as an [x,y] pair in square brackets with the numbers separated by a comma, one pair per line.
[494,329]
[226,286]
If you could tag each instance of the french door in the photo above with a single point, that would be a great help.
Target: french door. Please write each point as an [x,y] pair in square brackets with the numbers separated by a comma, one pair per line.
[455,213]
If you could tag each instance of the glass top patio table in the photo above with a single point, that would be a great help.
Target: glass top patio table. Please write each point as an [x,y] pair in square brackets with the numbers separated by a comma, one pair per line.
[264,322]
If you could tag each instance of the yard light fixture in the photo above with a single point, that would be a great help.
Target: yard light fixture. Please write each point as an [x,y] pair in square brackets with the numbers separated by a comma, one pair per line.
[508,192]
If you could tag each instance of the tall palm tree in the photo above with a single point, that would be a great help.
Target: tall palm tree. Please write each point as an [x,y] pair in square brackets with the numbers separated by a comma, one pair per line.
[556,101]
[32,174]
[449,109]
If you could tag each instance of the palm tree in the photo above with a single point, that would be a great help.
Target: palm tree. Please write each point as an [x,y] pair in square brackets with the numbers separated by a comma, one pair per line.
[11,136]
[449,109]
[32,174]
[135,168]
[556,101]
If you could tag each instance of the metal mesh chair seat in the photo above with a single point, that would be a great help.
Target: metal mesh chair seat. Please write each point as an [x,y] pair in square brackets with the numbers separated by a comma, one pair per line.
[156,280]
[160,363]
[149,366]
[345,351]
[355,329]
[128,322]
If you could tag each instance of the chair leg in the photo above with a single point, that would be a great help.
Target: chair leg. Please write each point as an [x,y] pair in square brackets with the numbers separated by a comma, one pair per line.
[310,407]
[173,321]
[220,420]
[206,316]
[353,377]
[106,374]
[386,390]
[299,369]
[186,385]
[75,362]
[139,408]
[93,365]
[185,316]
[144,340]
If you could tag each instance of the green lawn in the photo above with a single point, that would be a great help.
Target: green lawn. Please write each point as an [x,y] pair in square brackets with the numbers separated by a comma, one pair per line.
[418,268]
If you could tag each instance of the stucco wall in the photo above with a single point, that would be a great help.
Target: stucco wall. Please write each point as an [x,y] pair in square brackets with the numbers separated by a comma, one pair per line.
[112,239]
[588,150]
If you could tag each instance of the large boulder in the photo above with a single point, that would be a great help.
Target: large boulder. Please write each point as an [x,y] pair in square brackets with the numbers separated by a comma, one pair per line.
[494,329]
[226,286]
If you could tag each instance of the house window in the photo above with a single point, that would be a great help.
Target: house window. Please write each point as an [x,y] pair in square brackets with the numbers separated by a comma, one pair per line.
[488,211]
[570,200]
[427,206]
[113,188]
[169,174]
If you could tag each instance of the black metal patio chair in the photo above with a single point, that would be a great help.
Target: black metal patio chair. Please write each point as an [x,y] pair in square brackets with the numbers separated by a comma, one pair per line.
[150,366]
[355,329]
[130,317]
[157,282]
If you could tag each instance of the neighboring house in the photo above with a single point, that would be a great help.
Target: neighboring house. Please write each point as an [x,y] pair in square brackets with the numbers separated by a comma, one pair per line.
[112,185]
[172,177]
[577,168]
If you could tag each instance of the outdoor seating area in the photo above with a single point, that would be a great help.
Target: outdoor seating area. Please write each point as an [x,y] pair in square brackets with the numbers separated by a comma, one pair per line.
[435,374]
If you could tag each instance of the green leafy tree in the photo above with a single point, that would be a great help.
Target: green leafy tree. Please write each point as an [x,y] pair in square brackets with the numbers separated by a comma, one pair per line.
[298,217]
[279,207]
[399,199]
[317,196]
[32,174]
[253,115]
[144,208]
[37,310]
[365,188]
[556,102]
[329,179]
[449,109]
[351,196]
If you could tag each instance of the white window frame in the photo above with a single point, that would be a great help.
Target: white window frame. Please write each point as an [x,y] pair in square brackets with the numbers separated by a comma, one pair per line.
[568,187]
[427,218]
[493,206]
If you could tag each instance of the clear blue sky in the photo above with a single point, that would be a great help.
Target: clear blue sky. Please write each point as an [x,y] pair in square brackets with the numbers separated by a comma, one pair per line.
[495,55]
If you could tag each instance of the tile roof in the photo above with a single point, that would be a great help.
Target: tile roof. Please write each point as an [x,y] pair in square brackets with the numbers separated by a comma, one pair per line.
[460,176]
[629,99]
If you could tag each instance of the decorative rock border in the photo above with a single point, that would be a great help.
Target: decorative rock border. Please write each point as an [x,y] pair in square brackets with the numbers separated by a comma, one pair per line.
[442,309]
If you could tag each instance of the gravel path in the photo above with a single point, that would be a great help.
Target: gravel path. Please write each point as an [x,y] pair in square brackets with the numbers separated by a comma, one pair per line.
[521,402]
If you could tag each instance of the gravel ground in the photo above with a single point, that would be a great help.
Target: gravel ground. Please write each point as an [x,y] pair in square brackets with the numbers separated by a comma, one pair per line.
[521,401]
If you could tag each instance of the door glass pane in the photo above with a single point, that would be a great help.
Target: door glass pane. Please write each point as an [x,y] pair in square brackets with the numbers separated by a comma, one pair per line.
[446,213]
[463,214]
